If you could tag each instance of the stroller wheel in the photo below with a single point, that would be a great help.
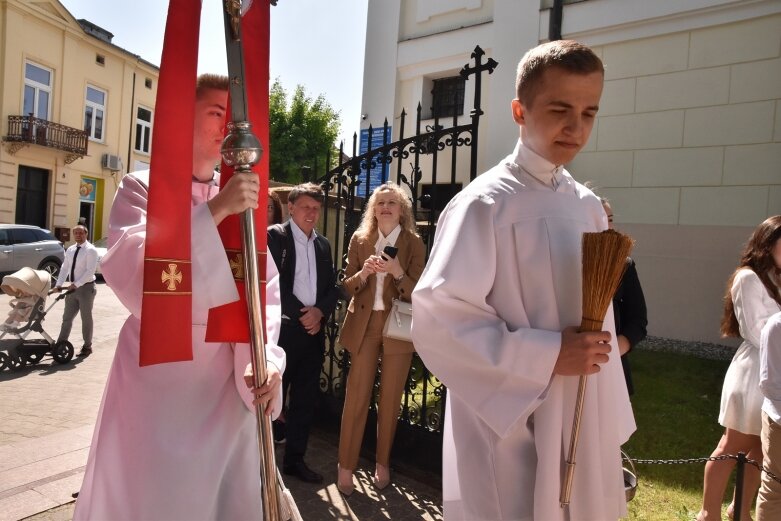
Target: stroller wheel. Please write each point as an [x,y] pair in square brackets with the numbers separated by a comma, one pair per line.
[15,363]
[34,358]
[62,352]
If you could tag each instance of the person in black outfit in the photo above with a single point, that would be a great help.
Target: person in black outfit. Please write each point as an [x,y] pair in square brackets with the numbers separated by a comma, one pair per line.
[628,309]
[308,293]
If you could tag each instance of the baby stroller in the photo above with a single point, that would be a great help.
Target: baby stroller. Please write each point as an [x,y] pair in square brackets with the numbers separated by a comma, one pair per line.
[30,288]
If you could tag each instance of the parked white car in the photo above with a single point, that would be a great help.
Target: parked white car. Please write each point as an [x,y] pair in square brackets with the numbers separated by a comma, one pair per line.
[102,246]
[25,245]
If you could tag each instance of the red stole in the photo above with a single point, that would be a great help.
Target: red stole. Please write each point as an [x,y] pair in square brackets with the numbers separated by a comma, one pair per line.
[230,323]
[166,332]
[166,328]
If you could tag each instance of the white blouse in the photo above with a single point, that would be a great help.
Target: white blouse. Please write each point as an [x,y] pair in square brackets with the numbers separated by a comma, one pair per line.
[380,245]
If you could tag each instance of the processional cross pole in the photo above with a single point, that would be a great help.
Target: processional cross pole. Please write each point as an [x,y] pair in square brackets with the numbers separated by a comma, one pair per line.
[241,150]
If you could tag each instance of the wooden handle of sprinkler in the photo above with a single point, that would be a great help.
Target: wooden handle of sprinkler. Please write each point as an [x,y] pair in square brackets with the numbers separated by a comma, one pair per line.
[586,324]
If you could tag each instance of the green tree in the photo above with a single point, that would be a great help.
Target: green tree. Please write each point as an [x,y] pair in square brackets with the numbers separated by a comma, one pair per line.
[301,133]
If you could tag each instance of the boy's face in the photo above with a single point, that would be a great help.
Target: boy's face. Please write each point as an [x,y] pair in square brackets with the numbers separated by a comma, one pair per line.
[210,111]
[559,121]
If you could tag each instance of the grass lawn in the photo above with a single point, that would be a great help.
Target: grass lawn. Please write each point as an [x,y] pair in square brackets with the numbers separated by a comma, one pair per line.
[676,406]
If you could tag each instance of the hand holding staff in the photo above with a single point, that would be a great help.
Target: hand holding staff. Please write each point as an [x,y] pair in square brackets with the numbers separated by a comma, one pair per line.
[604,262]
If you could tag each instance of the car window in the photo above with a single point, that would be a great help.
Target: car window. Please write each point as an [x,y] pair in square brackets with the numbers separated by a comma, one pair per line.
[22,236]
[43,235]
[4,237]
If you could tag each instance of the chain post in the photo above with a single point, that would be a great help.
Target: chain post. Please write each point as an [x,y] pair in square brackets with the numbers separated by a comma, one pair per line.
[739,483]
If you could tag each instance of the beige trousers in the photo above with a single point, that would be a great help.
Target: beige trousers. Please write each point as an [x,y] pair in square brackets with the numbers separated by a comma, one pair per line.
[769,499]
[393,376]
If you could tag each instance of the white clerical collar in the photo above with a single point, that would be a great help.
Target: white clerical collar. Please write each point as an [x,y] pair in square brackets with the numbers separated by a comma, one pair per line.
[299,235]
[391,239]
[537,167]
[214,181]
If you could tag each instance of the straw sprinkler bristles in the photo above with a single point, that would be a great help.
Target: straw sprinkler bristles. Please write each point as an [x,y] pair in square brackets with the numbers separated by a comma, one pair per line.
[604,263]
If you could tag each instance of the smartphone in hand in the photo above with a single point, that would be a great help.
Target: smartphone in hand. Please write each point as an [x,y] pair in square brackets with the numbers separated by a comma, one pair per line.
[390,252]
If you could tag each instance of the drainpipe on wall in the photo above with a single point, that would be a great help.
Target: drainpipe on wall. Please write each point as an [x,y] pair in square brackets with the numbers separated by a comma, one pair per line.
[132,121]
[554,23]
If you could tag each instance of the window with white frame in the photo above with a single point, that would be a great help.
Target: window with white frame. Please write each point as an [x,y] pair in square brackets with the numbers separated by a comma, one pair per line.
[94,112]
[37,90]
[143,130]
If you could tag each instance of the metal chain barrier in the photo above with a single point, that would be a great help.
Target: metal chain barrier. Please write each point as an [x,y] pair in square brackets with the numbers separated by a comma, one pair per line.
[741,459]
[723,457]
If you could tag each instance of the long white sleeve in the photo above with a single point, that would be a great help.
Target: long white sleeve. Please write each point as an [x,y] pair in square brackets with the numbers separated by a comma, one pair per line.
[753,305]
[499,372]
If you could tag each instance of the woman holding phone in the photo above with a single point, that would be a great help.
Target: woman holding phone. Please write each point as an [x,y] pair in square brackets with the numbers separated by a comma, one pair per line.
[384,262]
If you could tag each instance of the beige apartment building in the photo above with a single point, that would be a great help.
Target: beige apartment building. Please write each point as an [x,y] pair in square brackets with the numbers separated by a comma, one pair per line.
[688,140]
[76,113]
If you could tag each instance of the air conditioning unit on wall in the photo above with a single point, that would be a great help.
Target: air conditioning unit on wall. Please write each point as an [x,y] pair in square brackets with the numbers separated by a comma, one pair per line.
[112,162]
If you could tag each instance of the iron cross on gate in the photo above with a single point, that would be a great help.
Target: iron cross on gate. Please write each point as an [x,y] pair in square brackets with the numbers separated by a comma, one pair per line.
[479,67]
[477,111]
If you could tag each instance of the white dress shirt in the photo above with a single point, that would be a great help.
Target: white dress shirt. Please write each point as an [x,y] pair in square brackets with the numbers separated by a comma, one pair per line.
[305,278]
[86,264]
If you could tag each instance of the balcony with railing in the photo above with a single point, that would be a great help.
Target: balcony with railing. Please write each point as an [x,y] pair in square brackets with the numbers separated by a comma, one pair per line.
[29,130]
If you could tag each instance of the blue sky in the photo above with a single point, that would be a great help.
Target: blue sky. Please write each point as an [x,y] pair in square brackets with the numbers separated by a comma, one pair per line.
[316,43]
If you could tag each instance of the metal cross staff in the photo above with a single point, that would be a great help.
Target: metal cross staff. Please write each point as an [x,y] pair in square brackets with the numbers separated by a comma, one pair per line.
[241,149]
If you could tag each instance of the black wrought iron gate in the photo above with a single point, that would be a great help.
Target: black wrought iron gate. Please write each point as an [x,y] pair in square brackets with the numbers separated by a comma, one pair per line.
[347,186]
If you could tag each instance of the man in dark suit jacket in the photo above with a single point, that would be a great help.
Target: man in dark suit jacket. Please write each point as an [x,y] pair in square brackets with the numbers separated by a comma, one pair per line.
[308,292]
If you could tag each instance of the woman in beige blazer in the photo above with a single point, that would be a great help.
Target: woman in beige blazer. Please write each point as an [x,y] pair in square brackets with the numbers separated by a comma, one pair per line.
[373,281]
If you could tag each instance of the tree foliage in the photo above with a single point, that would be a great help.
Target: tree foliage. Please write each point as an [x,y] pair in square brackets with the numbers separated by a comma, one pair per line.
[301,132]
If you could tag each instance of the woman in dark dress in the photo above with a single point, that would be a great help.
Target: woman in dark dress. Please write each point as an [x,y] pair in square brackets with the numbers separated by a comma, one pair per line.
[628,309]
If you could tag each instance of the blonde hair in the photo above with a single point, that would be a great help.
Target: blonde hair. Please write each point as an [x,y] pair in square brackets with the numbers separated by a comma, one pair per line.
[368,226]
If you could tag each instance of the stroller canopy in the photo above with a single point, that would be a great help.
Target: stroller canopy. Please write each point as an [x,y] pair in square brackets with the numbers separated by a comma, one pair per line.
[27,281]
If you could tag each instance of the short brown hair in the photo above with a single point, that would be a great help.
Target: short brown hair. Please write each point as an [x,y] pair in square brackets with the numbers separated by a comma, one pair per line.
[312,190]
[210,82]
[568,55]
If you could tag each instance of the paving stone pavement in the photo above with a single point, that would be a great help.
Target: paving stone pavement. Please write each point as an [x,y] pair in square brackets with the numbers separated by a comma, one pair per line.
[48,412]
